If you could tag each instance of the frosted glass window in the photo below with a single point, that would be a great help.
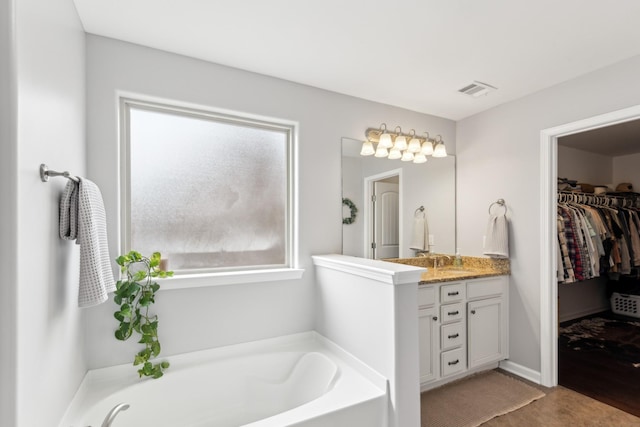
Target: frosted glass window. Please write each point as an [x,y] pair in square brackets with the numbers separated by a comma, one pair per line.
[209,192]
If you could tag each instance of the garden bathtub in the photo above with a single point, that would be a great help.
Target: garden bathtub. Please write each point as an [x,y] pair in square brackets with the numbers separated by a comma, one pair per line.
[301,380]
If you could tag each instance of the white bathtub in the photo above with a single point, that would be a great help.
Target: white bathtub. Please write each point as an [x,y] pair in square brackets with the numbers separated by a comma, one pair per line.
[301,380]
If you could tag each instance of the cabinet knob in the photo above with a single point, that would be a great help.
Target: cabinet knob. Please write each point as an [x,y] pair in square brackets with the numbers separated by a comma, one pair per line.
[435,318]
[473,312]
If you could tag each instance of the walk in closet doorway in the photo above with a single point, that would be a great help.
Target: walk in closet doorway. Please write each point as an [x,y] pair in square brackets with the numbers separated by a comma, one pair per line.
[598,268]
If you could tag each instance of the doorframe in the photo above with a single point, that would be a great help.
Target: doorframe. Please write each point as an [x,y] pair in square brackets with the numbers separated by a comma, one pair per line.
[548,229]
[368,212]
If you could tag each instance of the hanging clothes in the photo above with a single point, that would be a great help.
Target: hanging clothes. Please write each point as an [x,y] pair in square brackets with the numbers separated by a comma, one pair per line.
[595,237]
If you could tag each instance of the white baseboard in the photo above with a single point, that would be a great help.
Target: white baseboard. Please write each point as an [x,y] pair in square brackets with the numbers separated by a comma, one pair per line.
[521,371]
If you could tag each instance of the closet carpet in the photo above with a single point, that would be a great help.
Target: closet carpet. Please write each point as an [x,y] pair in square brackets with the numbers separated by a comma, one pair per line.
[599,356]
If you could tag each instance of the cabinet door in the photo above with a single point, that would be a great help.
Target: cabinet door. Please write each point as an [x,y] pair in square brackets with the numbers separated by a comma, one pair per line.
[429,330]
[485,331]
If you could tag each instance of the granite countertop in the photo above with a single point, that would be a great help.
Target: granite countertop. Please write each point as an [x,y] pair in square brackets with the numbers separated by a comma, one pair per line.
[472,267]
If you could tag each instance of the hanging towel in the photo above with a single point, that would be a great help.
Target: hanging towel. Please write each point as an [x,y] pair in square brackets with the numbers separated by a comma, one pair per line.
[83,219]
[497,237]
[420,232]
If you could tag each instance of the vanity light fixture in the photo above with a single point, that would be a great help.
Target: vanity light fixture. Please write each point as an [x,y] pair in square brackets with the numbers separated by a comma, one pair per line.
[395,153]
[394,145]
[407,156]
[385,138]
[367,148]
[414,143]
[401,140]
[381,151]
[427,146]
[419,158]
[439,150]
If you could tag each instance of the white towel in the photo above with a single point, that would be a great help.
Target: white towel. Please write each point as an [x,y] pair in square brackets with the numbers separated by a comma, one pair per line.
[496,243]
[83,218]
[420,232]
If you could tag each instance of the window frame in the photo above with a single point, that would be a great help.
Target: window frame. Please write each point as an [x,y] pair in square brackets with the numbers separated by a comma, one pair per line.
[213,276]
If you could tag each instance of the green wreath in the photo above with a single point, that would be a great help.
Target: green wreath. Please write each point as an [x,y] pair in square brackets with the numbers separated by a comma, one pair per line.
[353,209]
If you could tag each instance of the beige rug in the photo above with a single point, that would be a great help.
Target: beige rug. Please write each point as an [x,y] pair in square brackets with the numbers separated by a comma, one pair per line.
[472,401]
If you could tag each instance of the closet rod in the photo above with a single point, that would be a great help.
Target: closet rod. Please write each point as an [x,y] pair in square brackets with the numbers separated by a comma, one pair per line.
[564,196]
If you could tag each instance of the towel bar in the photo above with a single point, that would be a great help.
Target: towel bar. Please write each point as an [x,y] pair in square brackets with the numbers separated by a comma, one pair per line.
[45,173]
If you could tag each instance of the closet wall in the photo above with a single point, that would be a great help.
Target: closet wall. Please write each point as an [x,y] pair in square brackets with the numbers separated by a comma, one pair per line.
[625,168]
[587,297]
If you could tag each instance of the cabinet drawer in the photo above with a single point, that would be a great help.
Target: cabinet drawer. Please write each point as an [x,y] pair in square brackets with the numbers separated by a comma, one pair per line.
[452,293]
[453,361]
[426,296]
[452,335]
[485,287]
[451,312]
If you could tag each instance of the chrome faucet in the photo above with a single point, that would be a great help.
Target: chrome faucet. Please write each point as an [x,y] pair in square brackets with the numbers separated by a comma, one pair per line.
[438,259]
[448,257]
[113,412]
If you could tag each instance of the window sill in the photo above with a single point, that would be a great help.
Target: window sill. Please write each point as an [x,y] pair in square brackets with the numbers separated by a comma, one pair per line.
[229,278]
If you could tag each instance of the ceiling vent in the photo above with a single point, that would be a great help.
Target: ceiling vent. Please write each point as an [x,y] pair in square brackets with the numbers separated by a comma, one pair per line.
[477,89]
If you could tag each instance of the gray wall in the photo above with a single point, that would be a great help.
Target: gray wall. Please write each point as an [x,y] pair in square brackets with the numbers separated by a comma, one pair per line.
[200,318]
[498,156]
[45,328]
[8,194]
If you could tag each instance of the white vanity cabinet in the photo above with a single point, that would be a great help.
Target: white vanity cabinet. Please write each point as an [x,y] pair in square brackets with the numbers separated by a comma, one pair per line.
[428,326]
[463,327]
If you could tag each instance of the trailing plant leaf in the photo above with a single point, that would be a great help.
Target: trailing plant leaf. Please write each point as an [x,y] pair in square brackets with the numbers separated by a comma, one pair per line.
[134,295]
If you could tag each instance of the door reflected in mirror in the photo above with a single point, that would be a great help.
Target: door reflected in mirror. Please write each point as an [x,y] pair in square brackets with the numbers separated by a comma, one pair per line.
[387,194]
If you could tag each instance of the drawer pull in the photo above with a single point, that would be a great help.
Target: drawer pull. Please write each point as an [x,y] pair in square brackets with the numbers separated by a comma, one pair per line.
[453,313]
[454,362]
[453,336]
[453,294]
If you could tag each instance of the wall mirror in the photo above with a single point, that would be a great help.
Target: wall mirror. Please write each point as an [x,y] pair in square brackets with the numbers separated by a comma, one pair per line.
[431,185]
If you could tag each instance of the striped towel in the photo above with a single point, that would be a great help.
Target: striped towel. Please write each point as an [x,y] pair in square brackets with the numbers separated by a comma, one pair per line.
[83,219]
[496,243]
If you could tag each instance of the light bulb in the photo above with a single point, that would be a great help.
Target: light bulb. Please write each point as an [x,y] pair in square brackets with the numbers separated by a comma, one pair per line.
[385,141]
[419,158]
[407,156]
[395,154]
[427,148]
[401,143]
[414,145]
[381,151]
[367,149]
[440,150]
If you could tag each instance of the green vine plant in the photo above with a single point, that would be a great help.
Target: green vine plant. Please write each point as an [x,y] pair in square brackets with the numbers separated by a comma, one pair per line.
[135,293]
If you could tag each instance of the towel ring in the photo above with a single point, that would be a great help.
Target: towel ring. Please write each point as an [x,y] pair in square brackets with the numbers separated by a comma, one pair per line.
[420,209]
[499,202]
